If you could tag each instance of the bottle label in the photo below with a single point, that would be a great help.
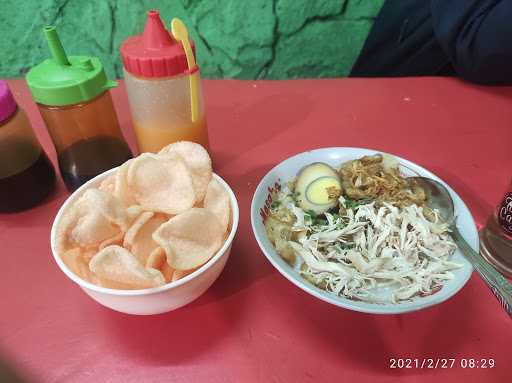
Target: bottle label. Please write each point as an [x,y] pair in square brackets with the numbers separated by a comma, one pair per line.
[505,213]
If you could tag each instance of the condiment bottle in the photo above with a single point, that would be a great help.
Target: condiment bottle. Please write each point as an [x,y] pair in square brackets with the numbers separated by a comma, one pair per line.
[496,236]
[72,93]
[158,83]
[26,174]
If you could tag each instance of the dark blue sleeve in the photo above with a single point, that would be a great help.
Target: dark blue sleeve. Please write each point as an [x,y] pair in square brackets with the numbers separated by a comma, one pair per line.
[477,36]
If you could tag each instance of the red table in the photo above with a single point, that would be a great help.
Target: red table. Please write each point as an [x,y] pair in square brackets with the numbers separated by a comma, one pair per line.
[253,325]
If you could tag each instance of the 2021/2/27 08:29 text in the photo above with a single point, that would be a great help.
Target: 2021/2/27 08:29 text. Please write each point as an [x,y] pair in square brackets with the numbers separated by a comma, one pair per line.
[442,363]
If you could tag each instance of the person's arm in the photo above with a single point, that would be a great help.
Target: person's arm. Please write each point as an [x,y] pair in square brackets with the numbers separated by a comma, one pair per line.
[477,36]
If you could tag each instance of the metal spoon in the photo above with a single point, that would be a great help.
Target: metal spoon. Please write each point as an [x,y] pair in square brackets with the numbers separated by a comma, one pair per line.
[439,198]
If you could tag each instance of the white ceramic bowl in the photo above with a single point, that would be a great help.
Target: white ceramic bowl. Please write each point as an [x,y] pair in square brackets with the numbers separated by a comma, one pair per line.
[289,168]
[158,299]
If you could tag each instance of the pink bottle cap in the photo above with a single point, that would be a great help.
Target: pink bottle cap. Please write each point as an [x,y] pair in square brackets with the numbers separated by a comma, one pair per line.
[7,103]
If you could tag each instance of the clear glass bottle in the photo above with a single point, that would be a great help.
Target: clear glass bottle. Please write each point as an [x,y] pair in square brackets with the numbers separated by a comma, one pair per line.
[159,86]
[496,236]
[72,94]
[26,174]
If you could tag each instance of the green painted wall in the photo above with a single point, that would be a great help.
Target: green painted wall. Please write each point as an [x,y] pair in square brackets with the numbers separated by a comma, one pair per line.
[246,39]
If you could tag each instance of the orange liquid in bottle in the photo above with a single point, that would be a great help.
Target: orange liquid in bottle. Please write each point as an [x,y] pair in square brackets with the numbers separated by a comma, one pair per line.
[154,138]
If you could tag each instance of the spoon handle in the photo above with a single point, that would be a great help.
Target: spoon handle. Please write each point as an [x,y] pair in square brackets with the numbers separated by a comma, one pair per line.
[500,286]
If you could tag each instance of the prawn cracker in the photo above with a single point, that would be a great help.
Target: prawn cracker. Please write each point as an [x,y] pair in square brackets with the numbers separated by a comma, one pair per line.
[190,239]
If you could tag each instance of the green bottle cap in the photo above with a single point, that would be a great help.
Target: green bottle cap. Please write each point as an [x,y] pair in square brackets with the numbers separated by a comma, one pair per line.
[63,80]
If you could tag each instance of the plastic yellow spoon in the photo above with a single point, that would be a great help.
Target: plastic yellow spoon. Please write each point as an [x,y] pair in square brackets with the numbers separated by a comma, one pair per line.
[180,33]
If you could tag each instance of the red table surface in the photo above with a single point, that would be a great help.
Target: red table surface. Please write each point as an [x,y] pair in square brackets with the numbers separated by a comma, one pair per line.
[253,325]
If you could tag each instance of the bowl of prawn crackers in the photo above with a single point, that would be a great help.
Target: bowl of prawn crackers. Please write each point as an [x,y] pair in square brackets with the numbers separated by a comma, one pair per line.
[149,236]
[351,227]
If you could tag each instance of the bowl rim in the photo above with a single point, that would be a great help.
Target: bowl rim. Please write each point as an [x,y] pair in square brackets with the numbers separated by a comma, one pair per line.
[153,290]
[333,299]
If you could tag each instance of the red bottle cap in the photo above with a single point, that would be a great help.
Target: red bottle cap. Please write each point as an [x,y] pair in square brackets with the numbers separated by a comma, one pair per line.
[154,53]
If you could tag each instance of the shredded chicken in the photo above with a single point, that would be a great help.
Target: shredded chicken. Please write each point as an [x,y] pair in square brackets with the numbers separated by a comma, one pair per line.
[367,247]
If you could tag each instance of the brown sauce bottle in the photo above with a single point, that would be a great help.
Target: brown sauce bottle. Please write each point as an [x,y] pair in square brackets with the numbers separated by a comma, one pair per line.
[26,174]
[87,138]
[72,93]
